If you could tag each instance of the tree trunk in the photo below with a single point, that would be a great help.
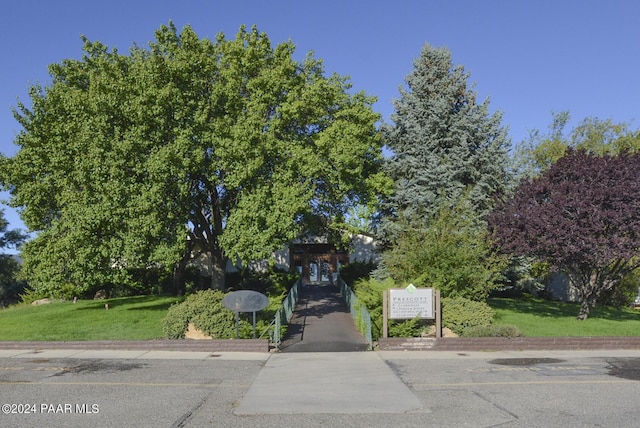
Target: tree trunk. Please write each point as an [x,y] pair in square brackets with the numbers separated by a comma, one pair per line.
[179,287]
[586,284]
[218,268]
[594,286]
[584,310]
[587,301]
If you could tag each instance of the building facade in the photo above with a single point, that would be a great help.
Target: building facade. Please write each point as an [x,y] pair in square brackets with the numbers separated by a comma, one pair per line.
[317,260]
[313,257]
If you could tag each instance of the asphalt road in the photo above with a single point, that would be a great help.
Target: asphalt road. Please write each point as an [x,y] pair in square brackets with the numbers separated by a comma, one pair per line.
[441,389]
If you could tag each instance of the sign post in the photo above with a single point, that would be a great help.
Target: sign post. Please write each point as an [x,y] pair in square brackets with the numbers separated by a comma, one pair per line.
[409,303]
[245,301]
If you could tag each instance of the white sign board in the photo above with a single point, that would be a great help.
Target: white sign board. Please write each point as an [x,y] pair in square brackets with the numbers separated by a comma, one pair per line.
[245,301]
[411,302]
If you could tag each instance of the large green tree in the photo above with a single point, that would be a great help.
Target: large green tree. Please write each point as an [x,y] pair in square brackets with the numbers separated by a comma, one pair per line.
[594,135]
[227,147]
[445,145]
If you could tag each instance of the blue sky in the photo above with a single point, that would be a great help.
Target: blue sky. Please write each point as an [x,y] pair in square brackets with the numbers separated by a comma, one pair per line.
[528,57]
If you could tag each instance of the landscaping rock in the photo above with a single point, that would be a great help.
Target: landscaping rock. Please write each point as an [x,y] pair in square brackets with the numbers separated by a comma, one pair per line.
[446,332]
[194,333]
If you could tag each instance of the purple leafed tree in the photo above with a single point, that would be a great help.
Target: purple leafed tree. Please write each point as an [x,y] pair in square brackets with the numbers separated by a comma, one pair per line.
[582,216]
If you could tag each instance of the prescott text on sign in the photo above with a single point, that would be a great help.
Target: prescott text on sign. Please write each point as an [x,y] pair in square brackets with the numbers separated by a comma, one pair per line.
[407,304]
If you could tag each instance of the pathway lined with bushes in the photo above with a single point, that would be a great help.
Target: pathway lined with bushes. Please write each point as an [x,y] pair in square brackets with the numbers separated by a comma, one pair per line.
[321,322]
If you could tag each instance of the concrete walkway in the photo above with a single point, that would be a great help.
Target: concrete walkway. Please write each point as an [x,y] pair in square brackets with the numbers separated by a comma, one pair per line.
[322,323]
[320,369]
[327,382]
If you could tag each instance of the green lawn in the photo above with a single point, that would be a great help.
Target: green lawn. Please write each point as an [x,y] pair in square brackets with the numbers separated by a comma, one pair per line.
[140,318]
[537,317]
[128,318]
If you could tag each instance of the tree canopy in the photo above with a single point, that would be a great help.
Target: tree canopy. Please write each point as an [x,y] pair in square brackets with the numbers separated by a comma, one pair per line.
[452,255]
[9,266]
[594,135]
[229,147]
[9,238]
[582,216]
[444,144]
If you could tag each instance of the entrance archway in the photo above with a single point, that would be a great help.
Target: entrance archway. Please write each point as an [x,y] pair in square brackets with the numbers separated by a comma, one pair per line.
[316,262]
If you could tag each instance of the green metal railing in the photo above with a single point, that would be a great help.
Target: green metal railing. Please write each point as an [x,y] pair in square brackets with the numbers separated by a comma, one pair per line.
[358,310]
[283,316]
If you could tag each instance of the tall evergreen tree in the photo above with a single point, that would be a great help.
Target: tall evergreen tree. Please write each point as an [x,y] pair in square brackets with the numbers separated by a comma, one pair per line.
[445,145]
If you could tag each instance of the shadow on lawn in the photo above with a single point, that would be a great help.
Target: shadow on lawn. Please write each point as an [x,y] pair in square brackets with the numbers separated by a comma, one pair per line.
[556,309]
[137,303]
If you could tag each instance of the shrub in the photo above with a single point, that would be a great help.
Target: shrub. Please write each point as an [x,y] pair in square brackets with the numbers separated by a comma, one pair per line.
[29,295]
[355,271]
[406,328]
[624,293]
[452,253]
[369,292]
[10,285]
[10,292]
[523,275]
[66,291]
[272,282]
[492,331]
[205,310]
[459,314]
[207,313]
